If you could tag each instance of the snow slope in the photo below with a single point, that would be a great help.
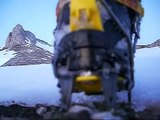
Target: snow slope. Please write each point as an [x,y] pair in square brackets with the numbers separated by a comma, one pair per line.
[46,47]
[6,55]
[36,83]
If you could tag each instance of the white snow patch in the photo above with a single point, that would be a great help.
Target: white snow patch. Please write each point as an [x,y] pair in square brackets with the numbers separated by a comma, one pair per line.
[6,55]
[44,59]
[46,47]
[29,51]
[28,40]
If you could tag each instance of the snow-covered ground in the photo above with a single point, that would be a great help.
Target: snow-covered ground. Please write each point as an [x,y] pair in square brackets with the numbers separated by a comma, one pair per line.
[35,84]
[147,77]
[31,84]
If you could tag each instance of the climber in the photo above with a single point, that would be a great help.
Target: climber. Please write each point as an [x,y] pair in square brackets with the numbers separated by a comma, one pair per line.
[95,40]
[120,18]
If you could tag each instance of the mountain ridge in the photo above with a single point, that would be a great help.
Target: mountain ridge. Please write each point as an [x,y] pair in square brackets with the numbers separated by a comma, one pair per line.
[154,44]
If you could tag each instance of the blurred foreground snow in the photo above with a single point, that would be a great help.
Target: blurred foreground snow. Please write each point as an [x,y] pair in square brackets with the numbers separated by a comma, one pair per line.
[36,84]
[33,84]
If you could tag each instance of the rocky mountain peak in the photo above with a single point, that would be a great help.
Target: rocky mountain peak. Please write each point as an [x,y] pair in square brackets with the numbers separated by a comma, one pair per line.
[18,27]
[16,37]
[19,37]
[26,47]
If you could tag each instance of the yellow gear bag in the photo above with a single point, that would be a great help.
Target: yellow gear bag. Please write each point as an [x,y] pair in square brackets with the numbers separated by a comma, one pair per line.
[84,14]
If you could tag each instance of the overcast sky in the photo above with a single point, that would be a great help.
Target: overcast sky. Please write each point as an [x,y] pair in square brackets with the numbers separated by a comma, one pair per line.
[38,16]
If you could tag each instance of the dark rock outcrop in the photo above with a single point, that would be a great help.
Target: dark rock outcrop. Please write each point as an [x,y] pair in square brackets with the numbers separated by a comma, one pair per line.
[19,36]
[141,46]
[29,54]
[44,112]
[154,44]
